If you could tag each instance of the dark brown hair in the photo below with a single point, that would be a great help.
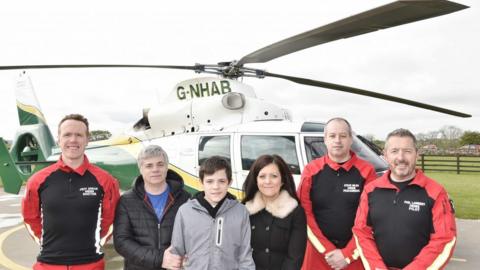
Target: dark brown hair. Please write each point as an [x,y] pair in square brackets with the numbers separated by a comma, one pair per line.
[76,117]
[250,186]
[213,164]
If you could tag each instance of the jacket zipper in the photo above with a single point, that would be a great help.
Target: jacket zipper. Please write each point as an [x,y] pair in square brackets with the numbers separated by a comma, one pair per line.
[158,234]
[169,205]
[395,199]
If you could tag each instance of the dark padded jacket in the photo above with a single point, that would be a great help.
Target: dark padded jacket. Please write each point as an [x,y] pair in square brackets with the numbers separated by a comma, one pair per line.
[279,232]
[138,234]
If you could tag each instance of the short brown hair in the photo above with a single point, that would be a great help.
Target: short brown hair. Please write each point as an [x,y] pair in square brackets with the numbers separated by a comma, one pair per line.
[214,164]
[76,117]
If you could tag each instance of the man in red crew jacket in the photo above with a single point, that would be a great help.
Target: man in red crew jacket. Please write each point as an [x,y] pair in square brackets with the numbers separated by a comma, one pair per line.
[330,192]
[405,220]
[69,206]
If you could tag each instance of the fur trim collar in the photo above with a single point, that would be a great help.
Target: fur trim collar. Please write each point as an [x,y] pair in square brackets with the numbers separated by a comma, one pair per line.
[283,205]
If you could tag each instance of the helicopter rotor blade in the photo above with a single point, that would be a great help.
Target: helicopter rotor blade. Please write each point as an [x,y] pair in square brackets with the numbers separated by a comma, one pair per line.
[386,16]
[196,67]
[367,93]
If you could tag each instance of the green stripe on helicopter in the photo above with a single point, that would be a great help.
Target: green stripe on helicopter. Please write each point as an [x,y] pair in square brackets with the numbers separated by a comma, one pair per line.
[29,115]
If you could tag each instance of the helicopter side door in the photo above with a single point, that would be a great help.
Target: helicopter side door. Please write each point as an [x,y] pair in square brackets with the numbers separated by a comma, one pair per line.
[249,146]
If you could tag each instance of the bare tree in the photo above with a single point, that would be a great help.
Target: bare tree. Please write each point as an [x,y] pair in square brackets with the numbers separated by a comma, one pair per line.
[451,132]
[433,135]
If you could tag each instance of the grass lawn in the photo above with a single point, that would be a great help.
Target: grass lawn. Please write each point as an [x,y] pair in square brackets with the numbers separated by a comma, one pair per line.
[464,189]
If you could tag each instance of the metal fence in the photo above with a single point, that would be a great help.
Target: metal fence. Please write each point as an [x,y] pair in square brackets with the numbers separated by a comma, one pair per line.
[449,163]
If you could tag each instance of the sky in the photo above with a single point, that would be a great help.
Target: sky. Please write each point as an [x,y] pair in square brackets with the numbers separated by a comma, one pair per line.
[435,61]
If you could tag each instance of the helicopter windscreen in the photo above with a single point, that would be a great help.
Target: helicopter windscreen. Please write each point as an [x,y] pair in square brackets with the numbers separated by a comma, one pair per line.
[315,148]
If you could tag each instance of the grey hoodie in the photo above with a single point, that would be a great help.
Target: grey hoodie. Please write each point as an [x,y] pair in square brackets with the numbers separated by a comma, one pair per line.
[222,243]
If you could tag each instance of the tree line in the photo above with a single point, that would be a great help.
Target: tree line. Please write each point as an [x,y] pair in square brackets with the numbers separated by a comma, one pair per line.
[446,140]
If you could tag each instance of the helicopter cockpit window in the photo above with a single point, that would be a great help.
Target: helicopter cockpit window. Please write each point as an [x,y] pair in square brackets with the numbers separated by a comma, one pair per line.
[254,146]
[213,146]
[315,148]
[365,152]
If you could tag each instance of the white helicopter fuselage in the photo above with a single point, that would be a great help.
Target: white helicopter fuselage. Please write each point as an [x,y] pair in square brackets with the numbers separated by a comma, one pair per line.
[234,124]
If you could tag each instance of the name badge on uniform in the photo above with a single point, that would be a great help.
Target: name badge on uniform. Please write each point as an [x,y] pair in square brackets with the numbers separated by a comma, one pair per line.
[414,206]
[355,188]
[89,191]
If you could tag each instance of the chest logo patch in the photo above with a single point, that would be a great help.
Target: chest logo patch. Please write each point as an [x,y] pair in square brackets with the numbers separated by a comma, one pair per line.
[414,206]
[355,188]
[89,191]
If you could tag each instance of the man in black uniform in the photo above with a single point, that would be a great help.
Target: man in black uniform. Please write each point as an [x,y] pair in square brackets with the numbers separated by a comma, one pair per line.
[329,192]
[405,219]
[69,206]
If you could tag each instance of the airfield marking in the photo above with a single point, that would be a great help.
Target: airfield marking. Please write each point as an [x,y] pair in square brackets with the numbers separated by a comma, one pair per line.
[4,260]
[9,220]
[9,197]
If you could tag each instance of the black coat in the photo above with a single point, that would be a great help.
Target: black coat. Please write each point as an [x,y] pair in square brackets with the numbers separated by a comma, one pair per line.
[138,234]
[278,239]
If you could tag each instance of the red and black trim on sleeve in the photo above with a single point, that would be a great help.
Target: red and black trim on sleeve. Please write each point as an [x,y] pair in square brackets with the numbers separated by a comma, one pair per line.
[412,228]
[70,212]
[330,192]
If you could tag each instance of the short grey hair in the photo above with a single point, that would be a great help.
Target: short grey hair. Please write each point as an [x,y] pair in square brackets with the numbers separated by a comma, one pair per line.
[151,151]
[340,119]
[402,132]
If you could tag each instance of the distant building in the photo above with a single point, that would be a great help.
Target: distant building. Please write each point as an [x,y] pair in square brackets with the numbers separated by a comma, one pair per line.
[429,149]
[469,149]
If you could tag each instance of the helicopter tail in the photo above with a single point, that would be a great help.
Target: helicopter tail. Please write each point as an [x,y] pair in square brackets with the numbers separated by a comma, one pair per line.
[28,107]
[31,118]
[33,140]
[9,175]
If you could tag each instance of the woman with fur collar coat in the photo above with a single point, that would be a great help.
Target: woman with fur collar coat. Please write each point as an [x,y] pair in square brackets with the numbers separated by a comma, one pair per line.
[277,220]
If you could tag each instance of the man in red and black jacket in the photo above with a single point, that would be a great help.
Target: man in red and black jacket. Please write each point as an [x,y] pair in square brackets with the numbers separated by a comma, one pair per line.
[405,220]
[69,206]
[330,192]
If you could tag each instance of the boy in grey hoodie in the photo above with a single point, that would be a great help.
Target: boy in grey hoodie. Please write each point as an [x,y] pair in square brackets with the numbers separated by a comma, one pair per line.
[212,230]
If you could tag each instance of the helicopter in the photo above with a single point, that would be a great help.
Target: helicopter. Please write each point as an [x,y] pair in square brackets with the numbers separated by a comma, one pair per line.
[219,115]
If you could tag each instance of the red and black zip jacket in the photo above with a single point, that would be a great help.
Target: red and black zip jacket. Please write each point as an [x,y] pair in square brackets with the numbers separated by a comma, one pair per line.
[413,228]
[70,212]
[330,192]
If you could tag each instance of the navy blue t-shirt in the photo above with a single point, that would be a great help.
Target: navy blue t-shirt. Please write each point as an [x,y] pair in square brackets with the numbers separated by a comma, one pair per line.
[158,202]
